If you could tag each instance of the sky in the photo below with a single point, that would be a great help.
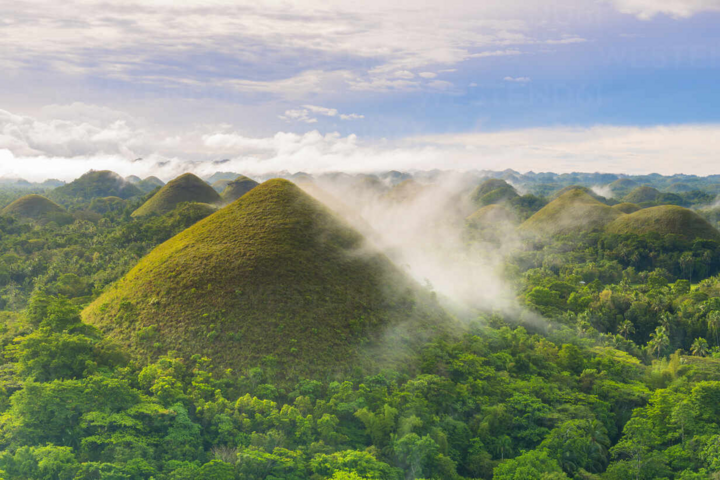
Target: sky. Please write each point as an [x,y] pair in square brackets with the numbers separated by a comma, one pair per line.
[161,87]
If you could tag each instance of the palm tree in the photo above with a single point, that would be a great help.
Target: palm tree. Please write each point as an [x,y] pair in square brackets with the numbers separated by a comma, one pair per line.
[626,328]
[699,347]
[713,322]
[659,341]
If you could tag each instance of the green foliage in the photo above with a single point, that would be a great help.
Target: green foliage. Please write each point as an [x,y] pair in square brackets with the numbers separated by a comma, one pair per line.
[185,188]
[665,220]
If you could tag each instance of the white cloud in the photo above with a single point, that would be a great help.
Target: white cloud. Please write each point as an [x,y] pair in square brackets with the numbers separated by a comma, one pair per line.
[495,53]
[473,84]
[404,74]
[351,116]
[647,9]
[427,74]
[440,85]
[302,115]
[518,79]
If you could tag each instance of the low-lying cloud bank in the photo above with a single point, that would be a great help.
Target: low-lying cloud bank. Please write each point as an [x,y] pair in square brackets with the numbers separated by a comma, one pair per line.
[37,149]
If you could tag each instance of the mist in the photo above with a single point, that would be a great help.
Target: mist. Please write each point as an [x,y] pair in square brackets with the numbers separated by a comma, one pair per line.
[425,234]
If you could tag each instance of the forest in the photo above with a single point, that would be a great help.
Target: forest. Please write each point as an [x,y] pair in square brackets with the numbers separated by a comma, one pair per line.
[232,328]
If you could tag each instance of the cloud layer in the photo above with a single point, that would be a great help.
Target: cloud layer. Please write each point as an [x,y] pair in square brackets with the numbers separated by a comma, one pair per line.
[36,149]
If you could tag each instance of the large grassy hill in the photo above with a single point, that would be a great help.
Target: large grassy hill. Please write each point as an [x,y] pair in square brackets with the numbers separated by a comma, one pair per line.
[32,207]
[492,191]
[275,273]
[642,195]
[572,211]
[665,220]
[149,184]
[95,184]
[185,188]
[237,188]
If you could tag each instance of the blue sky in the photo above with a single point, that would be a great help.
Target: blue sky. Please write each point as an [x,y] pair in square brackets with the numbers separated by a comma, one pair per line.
[606,85]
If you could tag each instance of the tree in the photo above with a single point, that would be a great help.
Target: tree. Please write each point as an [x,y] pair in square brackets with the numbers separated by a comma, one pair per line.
[658,341]
[532,465]
[699,347]
[626,328]
[713,323]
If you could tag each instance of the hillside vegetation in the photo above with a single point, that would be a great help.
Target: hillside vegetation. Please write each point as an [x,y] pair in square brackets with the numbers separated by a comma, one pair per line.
[574,210]
[665,220]
[94,184]
[185,188]
[237,188]
[33,207]
[275,273]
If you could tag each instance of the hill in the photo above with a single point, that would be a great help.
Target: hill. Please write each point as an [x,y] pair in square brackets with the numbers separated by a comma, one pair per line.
[274,273]
[107,204]
[642,195]
[626,207]
[134,179]
[586,190]
[149,184]
[94,184]
[220,185]
[622,187]
[665,220]
[492,216]
[32,207]
[492,191]
[572,211]
[221,176]
[407,190]
[185,188]
[237,188]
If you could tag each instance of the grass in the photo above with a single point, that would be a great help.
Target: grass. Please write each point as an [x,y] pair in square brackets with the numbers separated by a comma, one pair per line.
[404,191]
[94,184]
[185,188]
[492,190]
[33,207]
[149,184]
[237,188]
[665,220]
[643,194]
[573,211]
[626,207]
[275,273]
[492,215]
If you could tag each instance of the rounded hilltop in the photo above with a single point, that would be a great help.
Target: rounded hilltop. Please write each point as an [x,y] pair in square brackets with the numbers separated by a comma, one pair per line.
[185,188]
[96,184]
[274,273]
[573,211]
[32,207]
[665,220]
[491,191]
[237,188]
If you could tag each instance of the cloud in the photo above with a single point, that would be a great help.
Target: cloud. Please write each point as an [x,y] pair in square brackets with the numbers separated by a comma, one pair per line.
[37,149]
[298,116]
[495,53]
[647,9]
[427,74]
[518,79]
[303,115]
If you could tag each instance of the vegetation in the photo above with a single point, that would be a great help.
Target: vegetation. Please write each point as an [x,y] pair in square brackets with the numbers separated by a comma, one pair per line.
[267,340]
[665,220]
[185,188]
[95,184]
[32,207]
[574,210]
[237,188]
[274,264]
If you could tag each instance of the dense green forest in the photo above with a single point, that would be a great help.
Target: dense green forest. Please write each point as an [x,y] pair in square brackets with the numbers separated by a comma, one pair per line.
[608,369]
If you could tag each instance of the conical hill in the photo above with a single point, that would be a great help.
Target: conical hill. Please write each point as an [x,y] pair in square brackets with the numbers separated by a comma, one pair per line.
[274,275]
[572,211]
[32,207]
[237,188]
[185,188]
[666,220]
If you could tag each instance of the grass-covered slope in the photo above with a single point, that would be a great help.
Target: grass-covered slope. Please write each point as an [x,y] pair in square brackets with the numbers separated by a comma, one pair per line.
[626,207]
[274,273]
[237,188]
[94,184]
[33,207]
[642,195]
[572,211]
[665,220]
[492,191]
[492,215]
[185,188]
[149,184]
